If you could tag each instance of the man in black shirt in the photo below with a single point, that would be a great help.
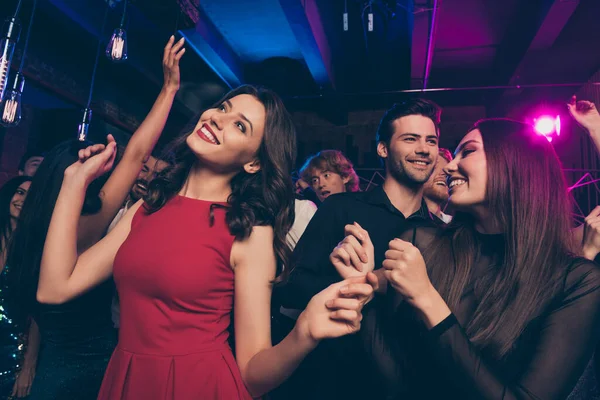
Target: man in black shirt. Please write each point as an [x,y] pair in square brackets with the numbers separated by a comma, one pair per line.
[408,144]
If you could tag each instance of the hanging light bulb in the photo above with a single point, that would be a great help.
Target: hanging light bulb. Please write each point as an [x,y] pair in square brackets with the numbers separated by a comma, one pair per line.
[84,125]
[117,45]
[10,37]
[10,107]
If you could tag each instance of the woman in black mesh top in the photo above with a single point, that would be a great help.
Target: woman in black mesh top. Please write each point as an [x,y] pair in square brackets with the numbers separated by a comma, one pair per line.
[497,307]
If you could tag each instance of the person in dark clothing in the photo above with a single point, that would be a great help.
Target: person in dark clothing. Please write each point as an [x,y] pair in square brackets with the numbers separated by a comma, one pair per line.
[408,144]
[498,306]
[328,172]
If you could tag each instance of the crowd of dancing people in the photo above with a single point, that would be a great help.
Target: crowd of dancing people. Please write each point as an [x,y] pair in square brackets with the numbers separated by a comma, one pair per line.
[208,272]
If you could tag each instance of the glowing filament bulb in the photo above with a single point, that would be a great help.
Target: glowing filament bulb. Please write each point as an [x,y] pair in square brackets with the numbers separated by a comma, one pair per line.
[10,107]
[117,50]
[10,111]
[117,46]
[8,41]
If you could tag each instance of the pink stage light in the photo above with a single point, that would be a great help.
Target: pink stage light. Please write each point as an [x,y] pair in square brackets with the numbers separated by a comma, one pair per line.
[547,126]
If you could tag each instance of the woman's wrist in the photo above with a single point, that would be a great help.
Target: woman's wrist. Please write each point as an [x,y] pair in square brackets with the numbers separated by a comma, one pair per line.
[432,307]
[170,89]
[74,181]
[590,252]
[302,335]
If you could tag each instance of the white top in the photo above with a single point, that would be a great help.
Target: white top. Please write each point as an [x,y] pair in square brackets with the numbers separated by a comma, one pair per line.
[115,311]
[446,218]
[305,209]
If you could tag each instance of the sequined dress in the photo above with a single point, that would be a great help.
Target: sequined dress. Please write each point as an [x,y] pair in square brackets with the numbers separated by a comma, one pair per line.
[77,339]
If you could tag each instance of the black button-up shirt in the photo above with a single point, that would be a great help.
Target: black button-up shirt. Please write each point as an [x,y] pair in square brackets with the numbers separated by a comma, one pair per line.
[373,210]
[342,368]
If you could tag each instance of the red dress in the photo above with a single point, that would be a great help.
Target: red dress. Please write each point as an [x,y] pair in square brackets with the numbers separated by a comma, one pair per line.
[175,287]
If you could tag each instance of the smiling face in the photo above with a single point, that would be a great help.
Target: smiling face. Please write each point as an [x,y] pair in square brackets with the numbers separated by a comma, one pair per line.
[16,203]
[436,188]
[467,173]
[150,169]
[412,151]
[228,137]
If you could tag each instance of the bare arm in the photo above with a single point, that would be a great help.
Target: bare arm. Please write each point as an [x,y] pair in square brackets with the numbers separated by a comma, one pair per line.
[586,115]
[33,346]
[262,365]
[63,274]
[262,368]
[26,375]
[116,189]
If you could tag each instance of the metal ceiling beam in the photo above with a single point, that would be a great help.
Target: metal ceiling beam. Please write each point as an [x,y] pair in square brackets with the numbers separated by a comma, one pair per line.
[431,42]
[206,40]
[307,24]
[567,58]
[535,27]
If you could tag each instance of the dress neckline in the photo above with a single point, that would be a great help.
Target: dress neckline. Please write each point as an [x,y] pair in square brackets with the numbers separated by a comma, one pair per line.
[201,200]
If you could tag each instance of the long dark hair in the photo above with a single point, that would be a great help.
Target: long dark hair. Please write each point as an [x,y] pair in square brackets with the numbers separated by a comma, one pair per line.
[27,244]
[262,198]
[7,192]
[527,194]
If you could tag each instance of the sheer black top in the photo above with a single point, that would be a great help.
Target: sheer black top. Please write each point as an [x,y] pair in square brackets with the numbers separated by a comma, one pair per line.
[545,362]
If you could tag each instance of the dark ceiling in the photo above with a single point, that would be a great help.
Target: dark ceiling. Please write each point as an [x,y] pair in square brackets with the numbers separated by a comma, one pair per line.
[465,52]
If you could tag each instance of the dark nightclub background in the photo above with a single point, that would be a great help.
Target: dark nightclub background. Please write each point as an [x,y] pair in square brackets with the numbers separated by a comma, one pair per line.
[476,58]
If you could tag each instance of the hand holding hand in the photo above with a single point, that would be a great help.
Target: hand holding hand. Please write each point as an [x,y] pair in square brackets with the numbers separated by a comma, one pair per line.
[355,255]
[337,310]
[406,271]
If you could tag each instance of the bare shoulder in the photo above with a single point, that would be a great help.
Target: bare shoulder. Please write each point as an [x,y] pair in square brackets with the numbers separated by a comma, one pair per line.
[124,223]
[257,247]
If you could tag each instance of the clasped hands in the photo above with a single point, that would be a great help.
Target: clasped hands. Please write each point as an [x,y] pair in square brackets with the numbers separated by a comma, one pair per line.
[403,267]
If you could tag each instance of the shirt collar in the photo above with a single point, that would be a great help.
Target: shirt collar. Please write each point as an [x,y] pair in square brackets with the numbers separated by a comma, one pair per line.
[379,197]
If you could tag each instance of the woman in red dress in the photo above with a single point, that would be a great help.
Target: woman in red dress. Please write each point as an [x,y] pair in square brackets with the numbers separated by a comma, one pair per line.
[207,242]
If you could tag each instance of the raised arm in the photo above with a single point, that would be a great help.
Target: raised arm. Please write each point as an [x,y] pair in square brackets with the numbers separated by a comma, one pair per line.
[138,149]
[334,312]
[63,274]
[586,114]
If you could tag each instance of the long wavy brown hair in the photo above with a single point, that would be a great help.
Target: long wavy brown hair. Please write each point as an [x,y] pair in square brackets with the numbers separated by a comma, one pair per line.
[263,198]
[528,196]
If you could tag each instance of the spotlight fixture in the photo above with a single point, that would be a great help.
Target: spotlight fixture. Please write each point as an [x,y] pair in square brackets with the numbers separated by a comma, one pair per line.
[547,126]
